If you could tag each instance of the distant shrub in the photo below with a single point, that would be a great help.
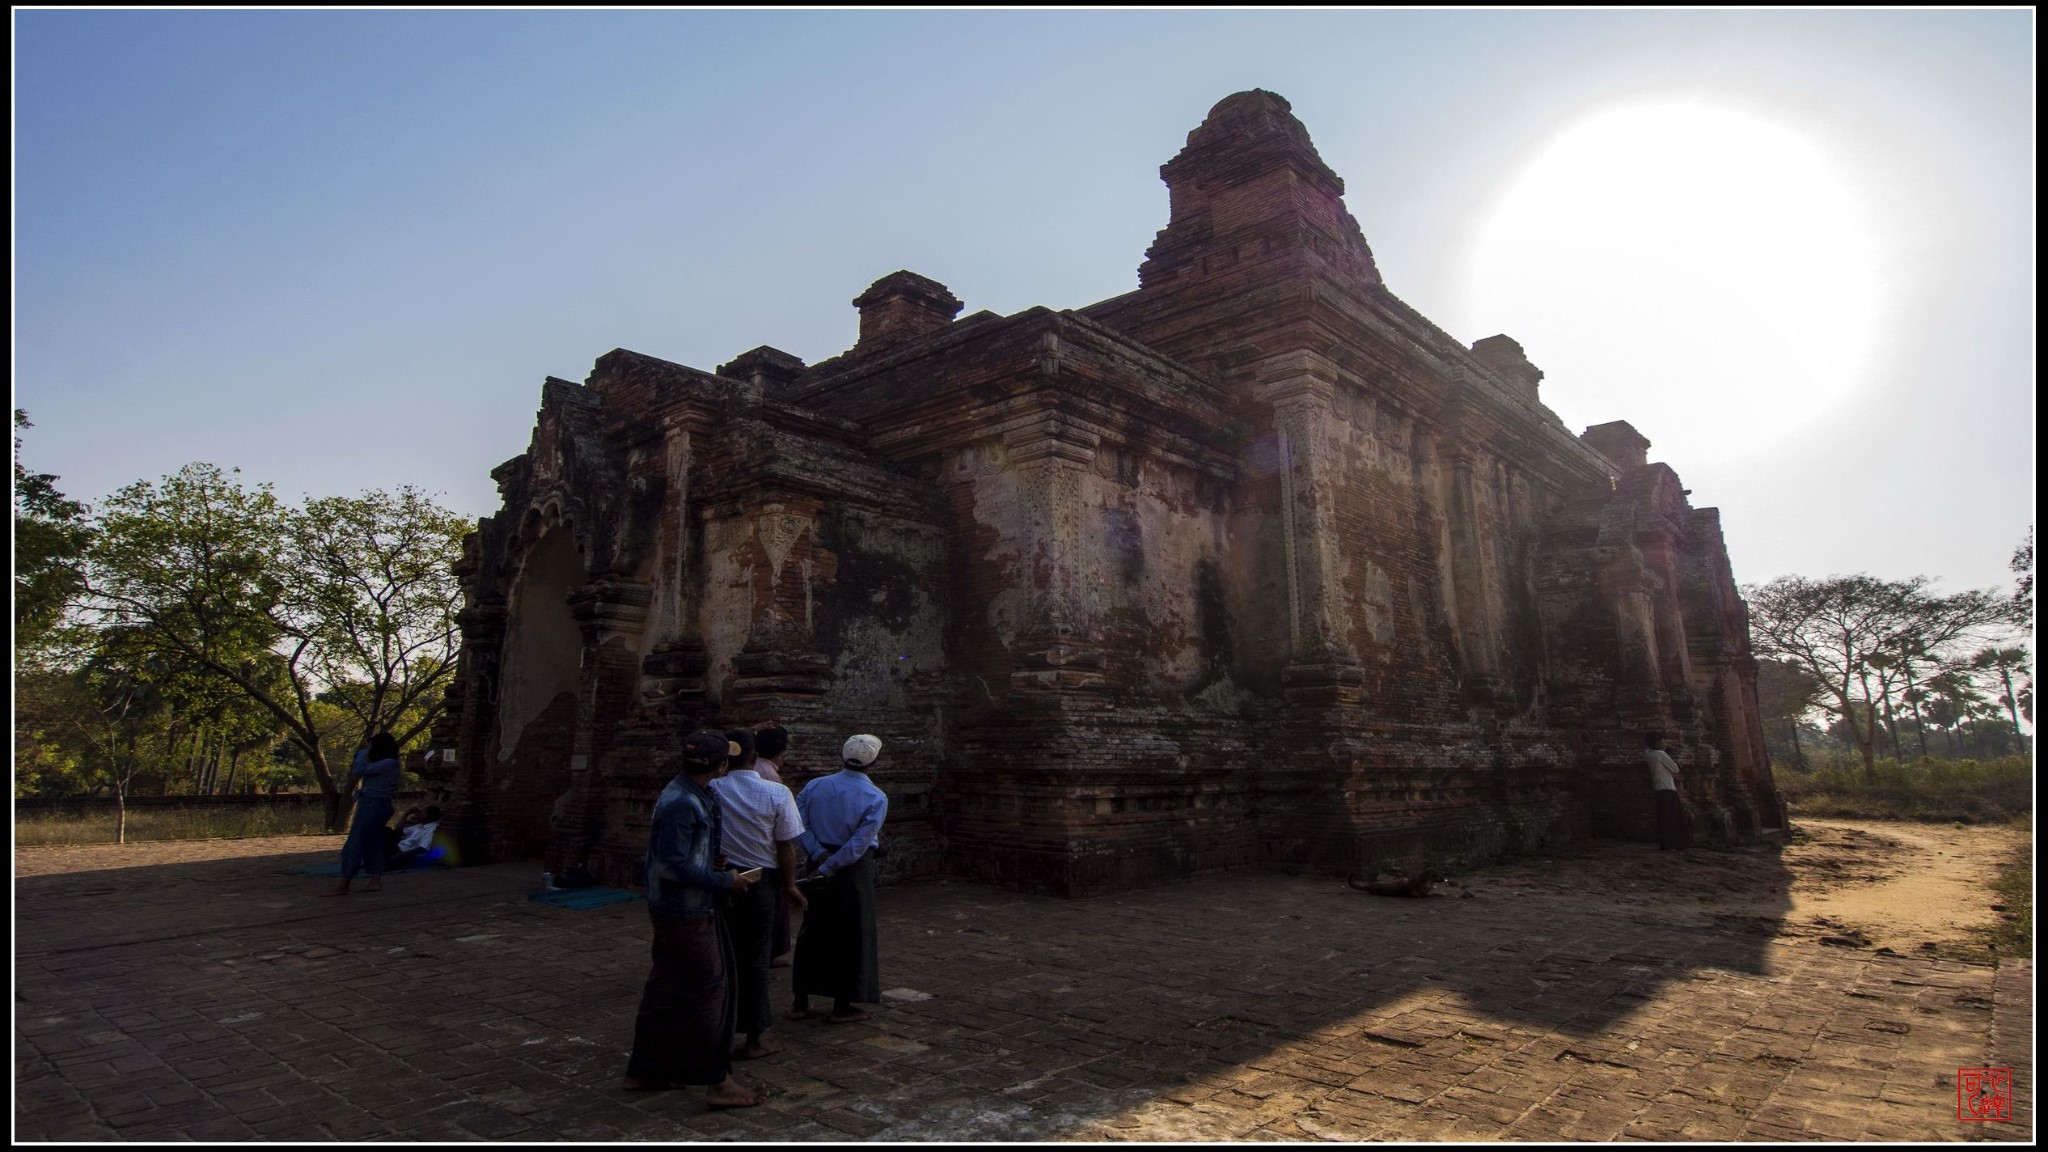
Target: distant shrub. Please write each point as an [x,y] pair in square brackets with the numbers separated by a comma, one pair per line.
[1942,791]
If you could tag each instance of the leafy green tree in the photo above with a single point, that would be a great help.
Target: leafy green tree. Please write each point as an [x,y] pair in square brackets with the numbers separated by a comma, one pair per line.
[120,708]
[372,587]
[50,537]
[287,604]
[49,759]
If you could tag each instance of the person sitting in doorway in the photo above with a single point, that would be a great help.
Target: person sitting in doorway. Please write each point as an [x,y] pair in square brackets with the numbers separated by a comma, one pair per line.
[392,836]
[416,840]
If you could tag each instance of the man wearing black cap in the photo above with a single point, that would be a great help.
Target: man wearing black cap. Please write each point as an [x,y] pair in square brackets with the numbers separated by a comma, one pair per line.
[683,1034]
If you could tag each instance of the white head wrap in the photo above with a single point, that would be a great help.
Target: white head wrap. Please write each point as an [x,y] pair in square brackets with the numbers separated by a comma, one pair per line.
[860,751]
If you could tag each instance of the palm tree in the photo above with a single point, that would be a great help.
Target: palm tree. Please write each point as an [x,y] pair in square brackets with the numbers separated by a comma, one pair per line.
[1888,667]
[2005,661]
[1914,697]
[1952,701]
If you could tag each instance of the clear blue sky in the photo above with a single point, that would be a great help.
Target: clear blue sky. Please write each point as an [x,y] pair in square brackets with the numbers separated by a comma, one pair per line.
[342,249]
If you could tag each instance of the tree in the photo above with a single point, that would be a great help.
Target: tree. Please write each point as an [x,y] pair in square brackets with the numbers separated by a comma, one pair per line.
[1916,695]
[1888,668]
[1860,636]
[285,604]
[2004,662]
[1785,693]
[119,708]
[1931,628]
[48,759]
[373,589]
[217,725]
[50,537]
[2023,582]
[1952,701]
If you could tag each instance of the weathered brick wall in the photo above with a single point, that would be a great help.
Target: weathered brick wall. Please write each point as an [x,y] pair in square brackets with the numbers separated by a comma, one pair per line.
[1252,565]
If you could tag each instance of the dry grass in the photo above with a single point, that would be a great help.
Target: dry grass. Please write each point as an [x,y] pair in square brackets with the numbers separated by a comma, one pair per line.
[1937,791]
[2013,936]
[169,824]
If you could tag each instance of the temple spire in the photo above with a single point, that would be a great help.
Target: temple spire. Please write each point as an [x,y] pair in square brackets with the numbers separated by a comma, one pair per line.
[1250,189]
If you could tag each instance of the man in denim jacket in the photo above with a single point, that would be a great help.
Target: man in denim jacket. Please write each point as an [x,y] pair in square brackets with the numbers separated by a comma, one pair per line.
[683,1034]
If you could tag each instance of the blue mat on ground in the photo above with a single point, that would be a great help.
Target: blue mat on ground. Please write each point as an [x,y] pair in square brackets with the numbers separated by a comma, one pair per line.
[580,898]
[335,870]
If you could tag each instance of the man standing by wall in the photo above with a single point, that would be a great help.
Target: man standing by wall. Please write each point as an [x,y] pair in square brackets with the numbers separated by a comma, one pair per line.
[1672,831]
[683,1034]
[835,953]
[761,826]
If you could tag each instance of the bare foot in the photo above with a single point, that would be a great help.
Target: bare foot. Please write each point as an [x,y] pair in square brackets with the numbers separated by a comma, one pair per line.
[729,1094]
[850,1016]
[374,886]
[636,1084]
[765,1047]
[797,1013]
[779,962]
[341,891]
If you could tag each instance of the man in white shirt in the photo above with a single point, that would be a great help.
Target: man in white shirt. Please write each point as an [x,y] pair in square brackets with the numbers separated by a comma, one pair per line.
[1672,831]
[770,744]
[761,827]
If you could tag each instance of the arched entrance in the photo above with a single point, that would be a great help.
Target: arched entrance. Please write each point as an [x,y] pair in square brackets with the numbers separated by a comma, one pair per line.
[540,676]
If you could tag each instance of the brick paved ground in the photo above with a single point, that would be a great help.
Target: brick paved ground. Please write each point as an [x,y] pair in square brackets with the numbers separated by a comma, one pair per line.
[173,991]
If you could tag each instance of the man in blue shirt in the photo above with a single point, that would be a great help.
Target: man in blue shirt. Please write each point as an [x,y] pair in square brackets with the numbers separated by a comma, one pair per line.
[683,1034]
[835,953]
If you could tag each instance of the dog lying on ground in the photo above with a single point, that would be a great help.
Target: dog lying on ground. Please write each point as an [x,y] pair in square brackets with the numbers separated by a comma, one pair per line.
[1396,884]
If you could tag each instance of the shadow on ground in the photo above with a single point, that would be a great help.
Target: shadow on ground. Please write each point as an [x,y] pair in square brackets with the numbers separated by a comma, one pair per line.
[221,998]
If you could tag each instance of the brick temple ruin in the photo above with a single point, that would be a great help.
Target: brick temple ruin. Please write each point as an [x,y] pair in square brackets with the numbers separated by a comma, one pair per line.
[1252,565]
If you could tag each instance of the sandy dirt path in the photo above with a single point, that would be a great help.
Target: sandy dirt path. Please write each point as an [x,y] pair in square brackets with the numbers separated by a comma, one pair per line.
[1899,885]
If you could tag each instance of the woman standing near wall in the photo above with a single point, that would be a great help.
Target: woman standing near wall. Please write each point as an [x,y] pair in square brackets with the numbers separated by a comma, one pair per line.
[376,767]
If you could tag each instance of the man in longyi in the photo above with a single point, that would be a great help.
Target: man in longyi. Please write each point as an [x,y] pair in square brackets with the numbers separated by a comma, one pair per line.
[770,745]
[683,1034]
[760,827]
[835,952]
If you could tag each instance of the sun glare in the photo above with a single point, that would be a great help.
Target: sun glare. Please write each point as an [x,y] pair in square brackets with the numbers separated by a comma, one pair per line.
[1702,273]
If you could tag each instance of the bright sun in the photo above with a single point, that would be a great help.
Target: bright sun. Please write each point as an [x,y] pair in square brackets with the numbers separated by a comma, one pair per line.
[1696,271]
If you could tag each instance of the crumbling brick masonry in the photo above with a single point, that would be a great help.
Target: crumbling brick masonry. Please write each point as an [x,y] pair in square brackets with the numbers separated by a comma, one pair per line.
[1253,564]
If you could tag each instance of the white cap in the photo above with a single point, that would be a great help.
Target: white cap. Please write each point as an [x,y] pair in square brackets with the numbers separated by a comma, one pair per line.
[860,751]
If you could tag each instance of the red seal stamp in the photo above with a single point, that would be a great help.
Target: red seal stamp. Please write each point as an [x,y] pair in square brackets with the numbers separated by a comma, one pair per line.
[1984,1094]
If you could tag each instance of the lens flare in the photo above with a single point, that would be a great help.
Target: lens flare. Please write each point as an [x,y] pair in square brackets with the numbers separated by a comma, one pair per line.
[1703,273]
